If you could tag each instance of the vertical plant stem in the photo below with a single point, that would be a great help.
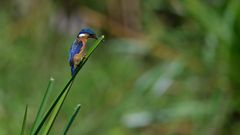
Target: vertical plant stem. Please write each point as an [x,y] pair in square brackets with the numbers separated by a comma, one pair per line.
[72,119]
[55,112]
[24,120]
[43,104]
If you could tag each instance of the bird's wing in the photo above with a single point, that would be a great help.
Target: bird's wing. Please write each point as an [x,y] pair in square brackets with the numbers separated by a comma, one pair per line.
[75,49]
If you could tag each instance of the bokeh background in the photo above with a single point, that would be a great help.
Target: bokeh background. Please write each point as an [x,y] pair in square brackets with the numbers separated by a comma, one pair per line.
[167,67]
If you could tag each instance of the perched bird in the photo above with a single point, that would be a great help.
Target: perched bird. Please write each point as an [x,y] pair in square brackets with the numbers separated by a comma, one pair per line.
[77,50]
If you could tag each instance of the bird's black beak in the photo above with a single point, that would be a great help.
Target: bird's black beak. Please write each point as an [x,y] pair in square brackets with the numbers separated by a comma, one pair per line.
[94,36]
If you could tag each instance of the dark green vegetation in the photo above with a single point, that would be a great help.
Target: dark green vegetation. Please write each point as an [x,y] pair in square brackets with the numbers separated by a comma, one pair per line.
[166,67]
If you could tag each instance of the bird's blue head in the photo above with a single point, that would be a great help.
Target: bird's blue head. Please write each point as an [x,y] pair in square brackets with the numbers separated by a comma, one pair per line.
[87,31]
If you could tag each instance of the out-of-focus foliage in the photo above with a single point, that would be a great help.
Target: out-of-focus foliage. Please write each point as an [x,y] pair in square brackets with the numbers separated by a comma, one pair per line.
[166,67]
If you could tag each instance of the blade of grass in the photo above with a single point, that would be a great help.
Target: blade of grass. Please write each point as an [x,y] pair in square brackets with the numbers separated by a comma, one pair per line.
[55,112]
[65,90]
[24,120]
[44,118]
[91,50]
[72,119]
[43,104]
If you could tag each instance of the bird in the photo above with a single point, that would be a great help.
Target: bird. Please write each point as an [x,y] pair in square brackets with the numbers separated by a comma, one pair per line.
[77,50]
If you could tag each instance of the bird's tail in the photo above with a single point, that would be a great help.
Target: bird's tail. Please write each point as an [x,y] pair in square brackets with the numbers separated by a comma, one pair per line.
[72,70]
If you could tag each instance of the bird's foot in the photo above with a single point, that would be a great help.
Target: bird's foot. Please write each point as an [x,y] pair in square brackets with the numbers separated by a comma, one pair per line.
[83,56]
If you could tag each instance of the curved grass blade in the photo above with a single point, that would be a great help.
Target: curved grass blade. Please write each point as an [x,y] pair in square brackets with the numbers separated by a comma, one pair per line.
[24,120]
[55,112]
[44,118]
[43,104]
[66,89]
[72,119]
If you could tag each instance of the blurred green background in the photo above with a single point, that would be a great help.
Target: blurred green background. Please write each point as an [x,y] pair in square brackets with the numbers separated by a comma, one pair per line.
[167,67]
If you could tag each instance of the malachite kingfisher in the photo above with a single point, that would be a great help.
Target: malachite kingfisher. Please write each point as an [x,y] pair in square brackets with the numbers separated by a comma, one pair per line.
[77,50]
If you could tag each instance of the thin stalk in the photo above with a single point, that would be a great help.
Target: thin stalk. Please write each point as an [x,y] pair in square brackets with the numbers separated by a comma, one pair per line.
[43,104]
[24,120]
[72,119]
[56,111]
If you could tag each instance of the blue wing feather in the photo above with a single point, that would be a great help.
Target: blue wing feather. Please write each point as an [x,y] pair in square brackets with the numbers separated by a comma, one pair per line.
[75,49]
[72,70]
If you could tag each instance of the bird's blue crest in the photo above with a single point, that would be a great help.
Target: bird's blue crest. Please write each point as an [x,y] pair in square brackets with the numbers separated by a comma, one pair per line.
[88,31]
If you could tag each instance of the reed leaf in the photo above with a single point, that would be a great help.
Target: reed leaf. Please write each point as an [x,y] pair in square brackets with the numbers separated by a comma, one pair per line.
[24,120]
[72,119]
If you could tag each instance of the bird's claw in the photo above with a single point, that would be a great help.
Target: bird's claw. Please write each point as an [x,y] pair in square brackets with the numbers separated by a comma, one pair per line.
[83,57]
